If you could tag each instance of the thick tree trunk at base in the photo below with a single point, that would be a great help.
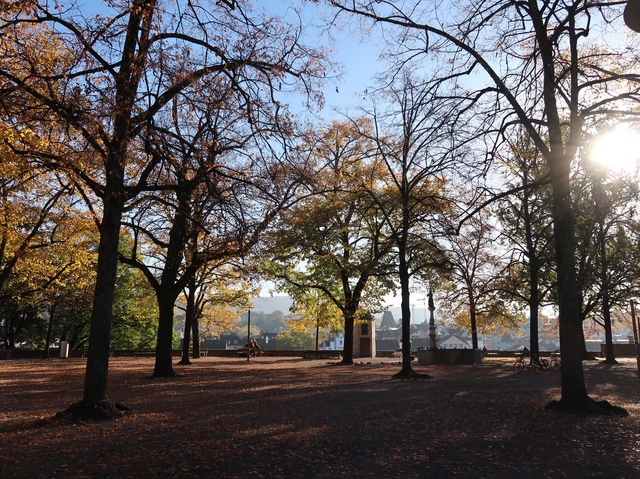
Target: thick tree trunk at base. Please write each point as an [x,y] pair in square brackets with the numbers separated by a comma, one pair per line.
[574,392]
[586,405]
[347,355]
[410,375]
[403,273]
[95,384]
[164,364]
[195,339]
[96,410]
[608,348]
[188,318]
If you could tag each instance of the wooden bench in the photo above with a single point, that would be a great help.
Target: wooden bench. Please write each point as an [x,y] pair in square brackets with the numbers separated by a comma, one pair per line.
[5,353]
[254,352]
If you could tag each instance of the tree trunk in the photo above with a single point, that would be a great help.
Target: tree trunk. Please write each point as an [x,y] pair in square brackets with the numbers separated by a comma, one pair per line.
[95,404]
[349,320]
[534,269]
[195,336]
[188,321]
[610,357]
[472,314]
[186,343]
[164,347]
[533,307]
[168,289]
[604,284]
[405,307]
[574,391]
[407,371]
[317,334]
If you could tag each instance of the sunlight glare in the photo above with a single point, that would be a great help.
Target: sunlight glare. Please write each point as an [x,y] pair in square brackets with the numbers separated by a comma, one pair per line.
[619,150]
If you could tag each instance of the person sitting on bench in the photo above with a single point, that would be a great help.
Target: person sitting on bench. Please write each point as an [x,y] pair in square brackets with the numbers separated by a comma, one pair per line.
[253,347]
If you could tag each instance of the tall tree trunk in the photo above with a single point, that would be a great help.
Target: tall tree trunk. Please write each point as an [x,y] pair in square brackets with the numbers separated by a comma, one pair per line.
[188,321]
[405,307]
[95,403]
[472,314]
[195,336]
[604,284]
[534,269]
[164,347]
[349,321]
[574,391]
[610,357]
[533,307]
[407,371]
[169,290]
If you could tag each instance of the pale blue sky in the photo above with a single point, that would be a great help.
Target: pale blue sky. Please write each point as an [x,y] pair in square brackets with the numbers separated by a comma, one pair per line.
[358,59]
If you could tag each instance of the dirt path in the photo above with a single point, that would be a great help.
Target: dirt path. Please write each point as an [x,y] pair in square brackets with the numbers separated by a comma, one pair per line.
[306,419]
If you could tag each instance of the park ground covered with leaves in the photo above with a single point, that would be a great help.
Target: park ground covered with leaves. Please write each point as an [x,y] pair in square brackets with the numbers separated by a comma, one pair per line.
[283,417]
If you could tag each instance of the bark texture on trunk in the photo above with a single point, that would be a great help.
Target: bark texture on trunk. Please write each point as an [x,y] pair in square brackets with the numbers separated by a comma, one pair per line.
[574,392]
[610,357]
[195,337]
[188,321]
[95,404]
[164,351]
[349,321]
[407,371]
[472,315]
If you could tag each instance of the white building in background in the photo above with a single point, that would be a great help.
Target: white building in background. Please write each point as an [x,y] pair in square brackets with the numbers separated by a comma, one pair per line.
[454,342]
[334,343]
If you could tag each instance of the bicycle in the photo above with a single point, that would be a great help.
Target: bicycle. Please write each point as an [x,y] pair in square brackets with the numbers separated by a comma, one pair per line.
[540,367]
[555,361]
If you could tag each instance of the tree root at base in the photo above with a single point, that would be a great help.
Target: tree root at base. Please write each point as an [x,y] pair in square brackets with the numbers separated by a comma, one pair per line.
[587,406]
[411,374]
[94,411]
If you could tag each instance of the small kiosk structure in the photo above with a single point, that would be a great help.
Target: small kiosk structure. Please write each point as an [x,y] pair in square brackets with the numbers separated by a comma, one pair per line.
[364,337]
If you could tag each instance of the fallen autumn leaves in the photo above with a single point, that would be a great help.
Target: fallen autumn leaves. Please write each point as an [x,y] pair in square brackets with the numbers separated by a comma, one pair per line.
[278,417]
